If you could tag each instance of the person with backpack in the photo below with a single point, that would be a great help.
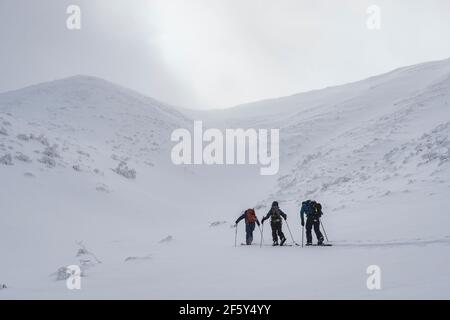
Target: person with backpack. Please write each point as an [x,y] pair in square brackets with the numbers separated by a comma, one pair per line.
[313,212]
[275,214]
[250,221]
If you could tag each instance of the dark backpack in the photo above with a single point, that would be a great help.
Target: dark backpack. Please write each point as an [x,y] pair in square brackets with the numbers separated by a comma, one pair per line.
[313,209]
[250,216]
[275,214]
[318,209]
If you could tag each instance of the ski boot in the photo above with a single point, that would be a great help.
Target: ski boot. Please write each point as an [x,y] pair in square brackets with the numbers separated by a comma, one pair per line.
[275,243]
[308,244]
[282,241]
[320,242]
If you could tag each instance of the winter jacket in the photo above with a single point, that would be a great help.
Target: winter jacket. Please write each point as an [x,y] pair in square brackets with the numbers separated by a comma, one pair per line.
[244,216]
[275,214]
[310,211]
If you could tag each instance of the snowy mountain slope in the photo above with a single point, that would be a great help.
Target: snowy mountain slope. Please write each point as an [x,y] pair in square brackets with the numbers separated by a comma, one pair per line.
[89,161]
[396,84]
[82,159]
[75,158]
[95,109]
[87,125]
[365,142]
[375,153]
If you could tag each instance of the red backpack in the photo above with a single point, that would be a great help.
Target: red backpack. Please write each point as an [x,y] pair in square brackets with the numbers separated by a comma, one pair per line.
[250,216]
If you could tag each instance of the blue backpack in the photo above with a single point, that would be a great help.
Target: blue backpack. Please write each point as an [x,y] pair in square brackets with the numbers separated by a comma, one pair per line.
[313,208]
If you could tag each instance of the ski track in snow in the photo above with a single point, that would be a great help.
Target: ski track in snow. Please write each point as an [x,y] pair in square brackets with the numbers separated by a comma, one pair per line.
[371,244]
[397,243]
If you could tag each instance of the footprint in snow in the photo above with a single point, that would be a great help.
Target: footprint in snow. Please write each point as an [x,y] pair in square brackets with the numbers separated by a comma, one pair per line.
[394,243]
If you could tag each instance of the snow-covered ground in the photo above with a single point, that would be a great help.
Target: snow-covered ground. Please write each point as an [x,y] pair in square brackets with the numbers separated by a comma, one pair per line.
[87,179]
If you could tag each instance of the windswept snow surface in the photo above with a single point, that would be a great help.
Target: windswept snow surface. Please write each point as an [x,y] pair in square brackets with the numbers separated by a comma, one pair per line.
[87,180]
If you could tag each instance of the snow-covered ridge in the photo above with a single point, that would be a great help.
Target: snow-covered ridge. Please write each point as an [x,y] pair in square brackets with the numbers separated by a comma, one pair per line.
[399,83]
[355,139]
[82,122]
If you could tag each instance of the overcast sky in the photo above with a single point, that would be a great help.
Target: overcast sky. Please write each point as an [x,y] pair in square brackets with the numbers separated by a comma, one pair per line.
[217,53]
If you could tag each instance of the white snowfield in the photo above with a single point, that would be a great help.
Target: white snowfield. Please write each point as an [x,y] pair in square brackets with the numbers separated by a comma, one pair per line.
[87,180]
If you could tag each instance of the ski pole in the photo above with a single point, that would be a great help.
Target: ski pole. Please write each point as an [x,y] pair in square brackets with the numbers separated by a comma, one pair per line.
[303,234]
[291,233]
[261,231]
[326,237]
[235,236]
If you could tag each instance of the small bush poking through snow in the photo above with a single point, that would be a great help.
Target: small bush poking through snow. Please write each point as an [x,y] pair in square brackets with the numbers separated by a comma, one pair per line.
[102,188]
[217,223]
[85,154]
[23,137]
[148,163]
[87,260]
[22,157]
[166,239]
[62,274]
[6,160]
[3,286]
[123,170]
[87,254]
[41,138]
[82,251]
[99,172]
[49,162]
[51,151]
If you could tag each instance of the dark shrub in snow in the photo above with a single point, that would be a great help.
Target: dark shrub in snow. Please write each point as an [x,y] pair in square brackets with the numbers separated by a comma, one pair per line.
[102,188]
[6,160]
[124,171]
[217,223]
[51,151]
[62,274]
[49,162]
[22,157]
[23,137]
[41,138]
[166,239]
